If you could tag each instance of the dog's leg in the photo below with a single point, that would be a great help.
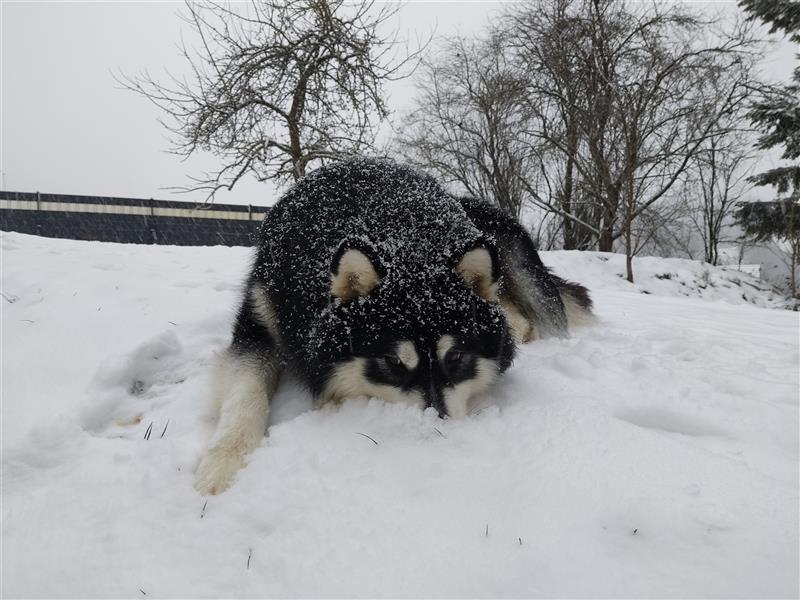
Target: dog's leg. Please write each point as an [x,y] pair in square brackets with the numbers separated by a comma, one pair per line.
[244,380]
[243,385]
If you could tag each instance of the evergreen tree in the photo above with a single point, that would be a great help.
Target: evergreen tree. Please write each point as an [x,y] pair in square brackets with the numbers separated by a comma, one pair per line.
[763,221]
[774,220]
[776,114]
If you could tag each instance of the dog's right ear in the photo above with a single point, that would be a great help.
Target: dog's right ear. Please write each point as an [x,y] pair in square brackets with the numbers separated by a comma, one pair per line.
[354,272]
[478,267]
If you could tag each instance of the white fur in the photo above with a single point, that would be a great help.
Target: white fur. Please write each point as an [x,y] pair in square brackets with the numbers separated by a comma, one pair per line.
[577,316]
[263,310]
[475,268]
[407,353]
[241,390]
[443,346]
[457,398]
[521,328]
[348,381]
[354,277]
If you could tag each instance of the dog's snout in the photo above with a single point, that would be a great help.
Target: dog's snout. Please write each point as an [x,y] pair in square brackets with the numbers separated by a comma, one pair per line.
[435,399]
[434,394]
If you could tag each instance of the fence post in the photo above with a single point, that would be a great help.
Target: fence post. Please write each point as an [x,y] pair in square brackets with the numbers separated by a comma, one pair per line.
[38,216]
[153,232]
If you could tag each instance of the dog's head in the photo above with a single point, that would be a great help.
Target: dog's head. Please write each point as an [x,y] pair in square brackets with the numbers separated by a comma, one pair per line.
[433,336]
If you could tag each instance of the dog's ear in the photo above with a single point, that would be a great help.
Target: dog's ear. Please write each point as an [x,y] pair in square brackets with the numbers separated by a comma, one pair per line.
[479,269]
[355,271]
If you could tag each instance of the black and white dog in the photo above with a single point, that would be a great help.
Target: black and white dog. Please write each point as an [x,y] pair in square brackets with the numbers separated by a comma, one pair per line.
[371,280]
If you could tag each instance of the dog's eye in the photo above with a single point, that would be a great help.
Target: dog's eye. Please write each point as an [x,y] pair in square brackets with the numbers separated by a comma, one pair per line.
[392,360]
[453,358]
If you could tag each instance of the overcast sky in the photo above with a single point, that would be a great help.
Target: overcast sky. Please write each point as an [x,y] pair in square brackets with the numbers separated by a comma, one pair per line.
[67,127]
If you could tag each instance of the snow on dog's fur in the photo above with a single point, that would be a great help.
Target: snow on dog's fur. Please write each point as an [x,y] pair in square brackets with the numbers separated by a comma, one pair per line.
[371,280]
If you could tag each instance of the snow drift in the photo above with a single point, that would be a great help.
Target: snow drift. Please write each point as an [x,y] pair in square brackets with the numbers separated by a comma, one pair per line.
[654,454]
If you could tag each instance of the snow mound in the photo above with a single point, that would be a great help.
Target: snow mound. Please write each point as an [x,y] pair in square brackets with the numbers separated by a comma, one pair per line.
[652,454]
[665,277]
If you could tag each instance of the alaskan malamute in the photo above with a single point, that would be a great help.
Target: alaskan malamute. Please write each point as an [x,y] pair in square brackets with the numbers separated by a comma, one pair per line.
[370,280]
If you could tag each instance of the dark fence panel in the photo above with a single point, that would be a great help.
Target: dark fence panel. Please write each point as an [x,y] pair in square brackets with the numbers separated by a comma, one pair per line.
[129,220]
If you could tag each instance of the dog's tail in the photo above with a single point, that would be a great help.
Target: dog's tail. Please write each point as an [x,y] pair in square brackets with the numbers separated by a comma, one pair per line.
[577,302]
[538,303]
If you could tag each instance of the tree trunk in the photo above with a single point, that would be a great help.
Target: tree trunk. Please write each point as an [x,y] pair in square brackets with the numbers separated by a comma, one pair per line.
[792,276]
[794,241]
[298,167]
[610,199]
[711,210]
[605,242]
[628,253]
[629,211]
[570,226]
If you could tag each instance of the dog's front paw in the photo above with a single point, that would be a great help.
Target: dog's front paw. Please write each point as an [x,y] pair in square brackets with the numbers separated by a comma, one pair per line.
[216,471]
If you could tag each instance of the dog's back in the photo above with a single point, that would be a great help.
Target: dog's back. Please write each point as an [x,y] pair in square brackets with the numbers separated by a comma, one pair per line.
[407,226]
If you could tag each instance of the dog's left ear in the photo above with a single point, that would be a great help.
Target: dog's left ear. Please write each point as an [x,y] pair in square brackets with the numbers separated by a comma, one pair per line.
[355,272]
[479,268]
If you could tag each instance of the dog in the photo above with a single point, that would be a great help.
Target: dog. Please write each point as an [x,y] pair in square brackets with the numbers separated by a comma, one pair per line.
[369,279]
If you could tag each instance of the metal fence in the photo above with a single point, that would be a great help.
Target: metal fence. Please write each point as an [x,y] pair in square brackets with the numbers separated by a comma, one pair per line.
[130,220]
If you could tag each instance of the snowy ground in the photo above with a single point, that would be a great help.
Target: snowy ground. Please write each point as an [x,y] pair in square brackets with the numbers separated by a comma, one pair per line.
[655,454]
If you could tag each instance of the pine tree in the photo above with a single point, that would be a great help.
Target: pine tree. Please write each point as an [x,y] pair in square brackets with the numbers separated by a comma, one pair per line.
[763,221]
[774,220]
[776,113]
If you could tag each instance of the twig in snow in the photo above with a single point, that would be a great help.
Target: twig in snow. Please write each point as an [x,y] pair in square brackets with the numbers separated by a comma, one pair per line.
[149,431]
[520,541]
[172,323]
[440,433]
[249,555]
[134,420]
[635,531]
[10,298]
[203,512]
[487,530]
[165,430]
[99,308]
[368,437]
[27,321]
[143,592]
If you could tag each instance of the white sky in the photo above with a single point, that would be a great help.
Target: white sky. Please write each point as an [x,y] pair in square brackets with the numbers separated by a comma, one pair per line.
[67,127]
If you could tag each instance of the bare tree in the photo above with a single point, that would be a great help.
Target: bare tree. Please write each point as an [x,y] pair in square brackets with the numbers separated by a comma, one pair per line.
[277,85]
[660,134]
[542,42]
[720,174]
[626,83]
[594,107]
[465,121]
[667,229]
[715,177]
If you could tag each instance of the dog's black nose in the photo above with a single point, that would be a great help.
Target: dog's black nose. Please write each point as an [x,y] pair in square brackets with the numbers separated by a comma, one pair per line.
[434,396]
